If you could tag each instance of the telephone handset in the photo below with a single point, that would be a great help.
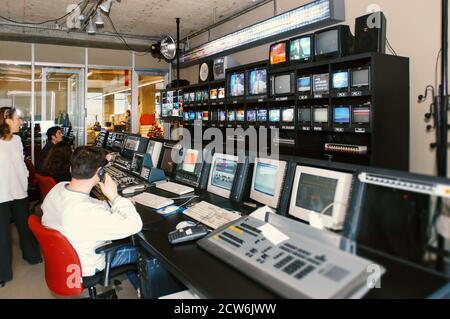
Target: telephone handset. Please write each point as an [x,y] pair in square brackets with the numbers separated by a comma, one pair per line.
[102,174]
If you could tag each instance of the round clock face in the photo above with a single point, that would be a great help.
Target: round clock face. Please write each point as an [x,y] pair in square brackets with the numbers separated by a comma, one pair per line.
[204,72]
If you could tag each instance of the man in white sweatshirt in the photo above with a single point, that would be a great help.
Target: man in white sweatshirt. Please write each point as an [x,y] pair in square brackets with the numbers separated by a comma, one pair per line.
[89,223]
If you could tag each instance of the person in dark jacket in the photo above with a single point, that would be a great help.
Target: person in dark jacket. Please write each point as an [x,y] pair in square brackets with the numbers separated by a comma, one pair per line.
[54,136]
[57,163]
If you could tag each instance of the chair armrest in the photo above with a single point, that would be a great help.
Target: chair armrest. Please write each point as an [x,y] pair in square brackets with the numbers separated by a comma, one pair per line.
[110,251]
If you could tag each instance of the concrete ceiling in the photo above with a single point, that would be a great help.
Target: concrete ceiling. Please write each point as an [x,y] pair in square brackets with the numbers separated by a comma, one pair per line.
[136,17]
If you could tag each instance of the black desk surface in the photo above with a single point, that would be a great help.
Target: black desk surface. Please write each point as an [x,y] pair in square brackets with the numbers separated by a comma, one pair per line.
[209,277]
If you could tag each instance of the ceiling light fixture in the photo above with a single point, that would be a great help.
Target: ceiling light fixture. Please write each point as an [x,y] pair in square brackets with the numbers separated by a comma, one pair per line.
[106,6]
[91,27]
[99,19]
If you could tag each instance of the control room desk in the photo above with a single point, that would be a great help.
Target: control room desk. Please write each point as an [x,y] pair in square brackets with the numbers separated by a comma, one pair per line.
[209,277]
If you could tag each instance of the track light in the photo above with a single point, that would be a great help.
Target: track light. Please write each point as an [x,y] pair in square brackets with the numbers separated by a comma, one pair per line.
[99,19]
[106,6]
[91,27]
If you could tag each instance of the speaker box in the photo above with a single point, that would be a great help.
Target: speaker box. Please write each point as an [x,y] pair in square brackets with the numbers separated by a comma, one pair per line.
[370,33]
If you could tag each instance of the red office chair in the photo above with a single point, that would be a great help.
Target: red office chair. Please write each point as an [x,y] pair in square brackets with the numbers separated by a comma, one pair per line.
[33,189]
[46,183]
[63,268]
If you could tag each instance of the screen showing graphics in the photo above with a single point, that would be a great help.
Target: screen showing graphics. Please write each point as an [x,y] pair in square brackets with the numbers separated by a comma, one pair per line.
[278,53]
[236,84]
[205,95]
[300,49]
[287,115]
[186,116]
[199,116]
[221,93]
[315,193]
[361,115]
[268,177]
[321,83]
[340,80]
[189,161]
[223,173]
[198,96]
[192,97]
[257,82]
[341,115]
[213,94]
[251,115]
[265,178]
[231,116]
[304,84]
[240,115]
[304,115]
[222,116]
[321,115]
[274,115]
[132,143]
[192,116]
[262,115]
[205,115]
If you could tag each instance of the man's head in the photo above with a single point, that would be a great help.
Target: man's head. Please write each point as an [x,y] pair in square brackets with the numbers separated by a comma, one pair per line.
[86,162]
[55,135]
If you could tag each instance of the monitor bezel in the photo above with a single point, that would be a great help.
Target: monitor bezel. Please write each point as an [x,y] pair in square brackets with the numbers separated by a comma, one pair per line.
[228,93]
[332,54]
[336,124]
[332,81]
[247,83]
[311,85]
[313,52]
[215,189]
[314,108]
[360,87]
[272,84]
[293,115]
[361,106]
[314,87]
[286,43]
[156,151]
[256,116]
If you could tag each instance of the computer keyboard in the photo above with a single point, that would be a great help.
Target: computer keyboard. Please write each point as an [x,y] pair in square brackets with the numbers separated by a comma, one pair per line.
[211,215]
[152,201]
[175,188]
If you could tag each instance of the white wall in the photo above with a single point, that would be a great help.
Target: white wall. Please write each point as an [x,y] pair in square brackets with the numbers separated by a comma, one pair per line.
[413,31]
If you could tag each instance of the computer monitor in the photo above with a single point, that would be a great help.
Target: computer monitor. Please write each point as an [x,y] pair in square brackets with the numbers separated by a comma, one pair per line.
[304,85]
[240,116]
[257,82]
[361,115]
[231,115]
[304,115]
[213,94]
[301,49]
[169,159]
[274,115]
[287,115]
[282,84]
[130,146]
[319,191]
[360,78]
[341,115]
[267,182]
[340,80]
[333,42]
[189,161]
[222,173]
[221,93]
[321,83]
[154,149]
[236,84]
[251,116]
[278,54]
[262,116]
[320,115]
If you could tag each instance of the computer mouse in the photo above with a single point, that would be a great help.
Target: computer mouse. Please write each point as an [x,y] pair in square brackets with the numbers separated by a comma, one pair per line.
[185,224]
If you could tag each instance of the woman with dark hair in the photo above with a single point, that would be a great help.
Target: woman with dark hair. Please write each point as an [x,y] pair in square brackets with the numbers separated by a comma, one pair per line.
[13,195]
[57,163]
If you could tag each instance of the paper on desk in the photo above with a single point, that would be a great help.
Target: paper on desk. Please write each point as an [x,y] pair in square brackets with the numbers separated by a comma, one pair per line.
[260,213]
[272,234]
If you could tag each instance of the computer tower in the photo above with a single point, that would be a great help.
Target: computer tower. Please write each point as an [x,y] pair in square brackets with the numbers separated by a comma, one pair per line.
[370,33]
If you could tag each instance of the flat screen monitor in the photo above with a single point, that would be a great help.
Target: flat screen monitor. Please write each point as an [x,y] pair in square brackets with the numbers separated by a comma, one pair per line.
[327,42]
[341,115]
[267,182]
[251,115]
[301,49]
[231,116]
[283,84]
[222,116]
[189,161]
[213,94]
[137,163]
[192,116]
[221,93]
[360,78]
[257,82]
[167,163]
[132,143]
[361,115]
[240,116]
[154,149]
[205,115]
[222,173]
[321,115]
[278,53]
[321,83]
[236,84]
[262,116]
[304,115]
[274,115]
[340,80]
[319,191]
[304,85]
[287,115]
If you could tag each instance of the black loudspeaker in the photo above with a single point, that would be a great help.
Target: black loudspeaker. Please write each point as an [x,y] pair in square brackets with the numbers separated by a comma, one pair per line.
[370,33]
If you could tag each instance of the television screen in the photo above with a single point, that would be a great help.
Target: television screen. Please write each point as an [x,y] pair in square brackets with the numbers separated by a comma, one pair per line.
[205,115]
[321,115]
[327,42]
[221,93]
[222,116]
[192,97]
[304,84]
[189,161]
[274,115]
[192,116]
[132,143]
[340,80]
[198,96]
[236,84]
[176,112]
[214,116]
[223,173]
[361,115]
[304,115]
[231,116]
[186,97]
[257,82]
[240,115]
[282,84]
[205,95]
[278,53]
[213,94]
[199,116]
[360,78]
[300,49]
[186,116]
[341,115]
[287,115]
[322,83]
[251,115]
[262,115]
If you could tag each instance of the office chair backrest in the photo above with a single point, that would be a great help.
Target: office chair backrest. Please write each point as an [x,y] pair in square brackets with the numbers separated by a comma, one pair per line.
[46,183]
[62,265]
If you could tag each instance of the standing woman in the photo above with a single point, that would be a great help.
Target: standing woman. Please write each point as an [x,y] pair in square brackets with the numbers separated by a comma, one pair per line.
[13,195]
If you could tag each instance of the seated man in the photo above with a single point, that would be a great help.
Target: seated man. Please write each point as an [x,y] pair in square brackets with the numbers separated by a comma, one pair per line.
[89,223]
[54,136]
